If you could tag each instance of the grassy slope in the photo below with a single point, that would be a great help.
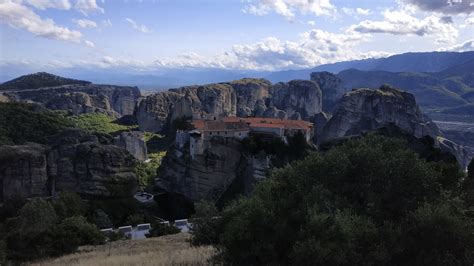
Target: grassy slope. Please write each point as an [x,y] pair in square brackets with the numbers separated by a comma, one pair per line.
[165,250]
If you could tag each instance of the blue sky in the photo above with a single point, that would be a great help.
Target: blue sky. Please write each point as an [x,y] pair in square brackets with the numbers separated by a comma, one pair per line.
[231,34]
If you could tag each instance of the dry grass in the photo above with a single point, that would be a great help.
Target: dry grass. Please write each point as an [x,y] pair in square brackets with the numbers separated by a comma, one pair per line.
[166,250]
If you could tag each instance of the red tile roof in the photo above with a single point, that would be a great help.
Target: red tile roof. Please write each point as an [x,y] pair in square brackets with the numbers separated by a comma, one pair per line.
[237,124]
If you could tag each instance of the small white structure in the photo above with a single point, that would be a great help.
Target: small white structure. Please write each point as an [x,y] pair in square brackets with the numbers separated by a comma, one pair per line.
[107,231]
[182,225]
[141,231]
[126,230]
[167,223]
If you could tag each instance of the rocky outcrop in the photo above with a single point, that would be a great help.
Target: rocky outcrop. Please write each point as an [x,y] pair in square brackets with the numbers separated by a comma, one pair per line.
[298,99]
[81,162]
[366,110]
[23,171]
[134,143]
[82,98]
[331,87]
[209,176]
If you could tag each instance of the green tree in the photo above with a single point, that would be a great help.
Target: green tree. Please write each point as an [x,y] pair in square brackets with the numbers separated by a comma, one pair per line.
[205,229]
[69,204]
[30,234]
[73,232]
[354,205]
[101,219]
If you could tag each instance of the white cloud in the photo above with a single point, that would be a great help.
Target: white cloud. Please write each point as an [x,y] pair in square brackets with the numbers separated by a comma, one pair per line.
[138,27]
[89,44]
[463,47]
[400,23]
[288,8]
[85,23]
[356,12]
[19,16]
[311,23]
[106,23]
[45,4]
[88,6]
[469,21]
[313,48]
[443,6]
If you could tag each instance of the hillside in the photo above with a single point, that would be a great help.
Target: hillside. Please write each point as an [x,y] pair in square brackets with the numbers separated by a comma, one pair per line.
[39,80]
[165,250]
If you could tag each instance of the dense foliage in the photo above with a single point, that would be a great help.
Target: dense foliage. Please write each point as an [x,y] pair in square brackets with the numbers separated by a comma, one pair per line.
[146,171]
[38,231]
[98,123]
[20,123]
[368,202]
[205,221]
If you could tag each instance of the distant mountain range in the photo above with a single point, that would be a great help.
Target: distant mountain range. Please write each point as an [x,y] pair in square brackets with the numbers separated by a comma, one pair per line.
[170,78]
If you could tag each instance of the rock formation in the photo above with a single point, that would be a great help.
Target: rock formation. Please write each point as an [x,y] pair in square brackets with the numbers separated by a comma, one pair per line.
[210,175]
[134,143]
[331,87]
[81,162]
[72,95]
[366,110]
[298,99]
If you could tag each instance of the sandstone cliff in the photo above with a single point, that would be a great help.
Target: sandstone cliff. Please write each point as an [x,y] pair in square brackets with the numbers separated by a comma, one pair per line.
[82,98]
[366,110]
[134,143]
[298,99]
[211,175]
[72,95]
[84,163]
[331,87]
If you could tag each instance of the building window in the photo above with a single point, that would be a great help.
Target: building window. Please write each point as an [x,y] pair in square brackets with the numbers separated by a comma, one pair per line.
[240,134]
[210,133]
[192,146]
[226,132]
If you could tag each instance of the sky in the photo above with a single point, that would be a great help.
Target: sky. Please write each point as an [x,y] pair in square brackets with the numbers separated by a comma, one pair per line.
[266,35]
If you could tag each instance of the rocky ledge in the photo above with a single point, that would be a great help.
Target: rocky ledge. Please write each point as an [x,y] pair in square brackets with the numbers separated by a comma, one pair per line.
[77,161]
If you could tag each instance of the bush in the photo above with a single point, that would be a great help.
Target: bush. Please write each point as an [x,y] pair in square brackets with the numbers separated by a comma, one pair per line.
[360,203]
[135,219]
[101,219]
[3,252]
[159,229]
[75,231]
[205,229]
[146,172]
[69,204]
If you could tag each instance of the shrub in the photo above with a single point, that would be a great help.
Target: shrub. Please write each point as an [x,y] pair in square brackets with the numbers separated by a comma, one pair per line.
[134,219]
[205,229]
[73,232]
[101,219]
[159,229]
[69,204]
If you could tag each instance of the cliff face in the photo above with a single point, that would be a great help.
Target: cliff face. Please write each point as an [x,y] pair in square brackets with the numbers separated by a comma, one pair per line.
[84,163]
[210,175]
[82,98]
[134,143]
[331,87]
[246,97]
[366,110]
